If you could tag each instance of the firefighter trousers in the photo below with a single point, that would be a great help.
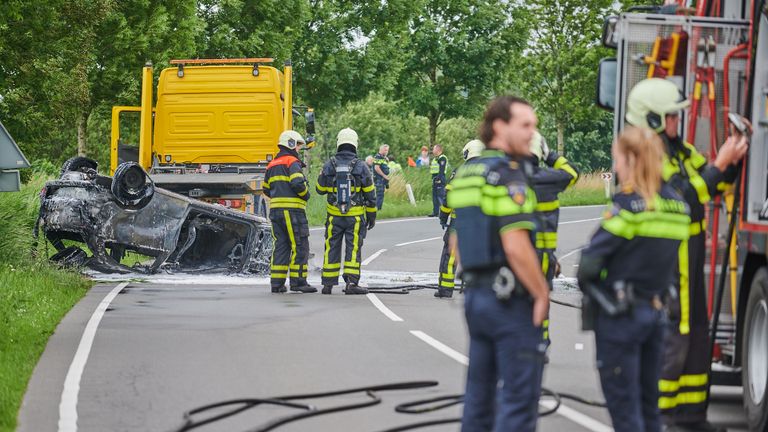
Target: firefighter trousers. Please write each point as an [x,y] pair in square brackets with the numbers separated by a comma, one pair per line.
[290,232]
[684,374]
[447,268]
[548,266]
[348,231]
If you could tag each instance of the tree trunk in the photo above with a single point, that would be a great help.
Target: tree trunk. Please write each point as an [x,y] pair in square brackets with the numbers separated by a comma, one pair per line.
[561,139]
[433,117]
[82,130]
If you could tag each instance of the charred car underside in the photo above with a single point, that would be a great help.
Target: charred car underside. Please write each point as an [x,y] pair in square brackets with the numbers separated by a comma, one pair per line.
[115,215]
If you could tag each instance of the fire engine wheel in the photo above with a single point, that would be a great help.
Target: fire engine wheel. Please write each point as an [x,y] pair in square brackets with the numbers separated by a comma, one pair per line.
[754,354]
[131,186]
[79,163]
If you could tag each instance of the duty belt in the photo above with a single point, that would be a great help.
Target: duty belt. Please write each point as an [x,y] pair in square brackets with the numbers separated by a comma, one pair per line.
[501,280]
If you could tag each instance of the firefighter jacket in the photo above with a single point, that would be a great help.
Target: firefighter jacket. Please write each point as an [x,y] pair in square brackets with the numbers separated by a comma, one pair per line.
[548,182]
[383,163]
[687,171]
[490,195]
[363,193]
[284,182]
[637,243]
[439,168]
[445,211]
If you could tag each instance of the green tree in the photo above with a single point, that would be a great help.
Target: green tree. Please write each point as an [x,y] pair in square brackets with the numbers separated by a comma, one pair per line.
[457,51]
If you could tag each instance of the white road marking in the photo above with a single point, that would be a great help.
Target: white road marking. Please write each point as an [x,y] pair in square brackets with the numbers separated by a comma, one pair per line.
[579,221]
[443,348]
[383,309]
[419,241]
[579,347]
[68,404]
[584,206]
[569,254]
[388,221]
[565,411]
[373,257]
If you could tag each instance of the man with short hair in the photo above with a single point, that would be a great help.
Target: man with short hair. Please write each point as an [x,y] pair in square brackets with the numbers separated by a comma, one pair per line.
[381,174]
[439,170]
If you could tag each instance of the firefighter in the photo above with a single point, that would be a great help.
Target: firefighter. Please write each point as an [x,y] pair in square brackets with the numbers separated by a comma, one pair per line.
[448,257]
[626,272]
[657,104]
[438,168]
[351,207]
[381,174]
[506,295]
[285,184]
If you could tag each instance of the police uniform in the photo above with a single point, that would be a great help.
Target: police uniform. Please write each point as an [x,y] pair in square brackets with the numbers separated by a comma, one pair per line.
[438,168]
[634,252]
[490,196]
[684,377]
[285,184]
[447,270]
[379,181]
[350,227]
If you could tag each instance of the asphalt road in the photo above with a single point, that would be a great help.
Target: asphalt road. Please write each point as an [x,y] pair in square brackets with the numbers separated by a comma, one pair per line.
[166,346]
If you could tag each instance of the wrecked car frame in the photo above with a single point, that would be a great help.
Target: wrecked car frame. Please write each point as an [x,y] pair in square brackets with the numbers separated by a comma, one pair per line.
[114,215]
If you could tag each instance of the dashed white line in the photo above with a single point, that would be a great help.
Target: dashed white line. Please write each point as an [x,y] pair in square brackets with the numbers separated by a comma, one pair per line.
[383,309]
[443,348]
[68,404]
[373,257]
[419,241]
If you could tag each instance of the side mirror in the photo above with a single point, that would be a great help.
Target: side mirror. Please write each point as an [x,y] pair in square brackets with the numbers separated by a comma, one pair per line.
[606,84]
[309,116]
[609,38]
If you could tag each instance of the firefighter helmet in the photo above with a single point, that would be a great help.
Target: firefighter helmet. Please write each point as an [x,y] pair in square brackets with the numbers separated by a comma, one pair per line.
[472,149]
[650,100]
[539,146]
[290,139]
[346,136]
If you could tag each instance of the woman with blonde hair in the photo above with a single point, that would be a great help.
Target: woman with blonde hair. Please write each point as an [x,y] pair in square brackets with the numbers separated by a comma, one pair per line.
[625,274]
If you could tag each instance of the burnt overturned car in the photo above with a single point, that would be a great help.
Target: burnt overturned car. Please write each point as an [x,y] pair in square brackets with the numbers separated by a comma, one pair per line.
[115,215]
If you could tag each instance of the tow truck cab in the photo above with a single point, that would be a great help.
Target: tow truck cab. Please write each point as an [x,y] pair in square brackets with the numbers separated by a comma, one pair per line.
[211,129]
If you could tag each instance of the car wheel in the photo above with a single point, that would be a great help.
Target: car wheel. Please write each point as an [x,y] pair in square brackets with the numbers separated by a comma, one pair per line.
[70,257]
[131,186]
[754,354]
[79,163]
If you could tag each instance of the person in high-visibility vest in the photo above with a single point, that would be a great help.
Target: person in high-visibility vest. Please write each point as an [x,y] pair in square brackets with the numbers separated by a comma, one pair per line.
[658,104]
[286,186]
[438,168]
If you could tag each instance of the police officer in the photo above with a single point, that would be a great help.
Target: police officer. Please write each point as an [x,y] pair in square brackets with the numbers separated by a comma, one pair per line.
[656,104]
[285,184]
[626,272]
[446,282]
[381,174]
[438,168]
[507,297]
[351,208]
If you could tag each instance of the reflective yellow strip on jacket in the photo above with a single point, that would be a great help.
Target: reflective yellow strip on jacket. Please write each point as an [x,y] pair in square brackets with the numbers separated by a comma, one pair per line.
[688,398]
[562,164]
[648,224]
[492,200]
[288,202]
[369,188]
[547,206]
[697,380]
[546,240]
[278,178]
[698,228]
[353,211]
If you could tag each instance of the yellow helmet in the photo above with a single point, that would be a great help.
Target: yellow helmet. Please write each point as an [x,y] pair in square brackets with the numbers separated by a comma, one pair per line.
[290,139]
[650,100]
[346,136]
[472,149]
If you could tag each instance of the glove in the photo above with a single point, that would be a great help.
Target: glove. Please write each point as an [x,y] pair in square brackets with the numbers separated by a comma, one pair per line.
[371,220]
[551,158]
[544,149]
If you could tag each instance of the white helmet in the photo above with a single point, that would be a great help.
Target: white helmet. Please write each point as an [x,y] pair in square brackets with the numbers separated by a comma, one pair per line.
[537,145]
[472,149]
[290,139]
[346,136]
[651,100]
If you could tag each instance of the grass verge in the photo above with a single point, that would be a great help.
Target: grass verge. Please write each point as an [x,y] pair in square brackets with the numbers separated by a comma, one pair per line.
[34,297]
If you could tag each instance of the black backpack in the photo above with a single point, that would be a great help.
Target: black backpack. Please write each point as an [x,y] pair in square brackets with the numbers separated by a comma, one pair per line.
[345,183]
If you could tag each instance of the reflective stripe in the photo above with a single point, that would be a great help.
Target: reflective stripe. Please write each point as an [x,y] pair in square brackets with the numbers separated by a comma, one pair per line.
[447,280]
[368,188]
[698,227]
[546,240]
[698,380]
[328,233]
[530,226]
[295,274]
[547,206]
[324,188]
[332,265]
[562,164]
[278,275]
[544,263]
[279,267]
[353,211]
[648,224]
[492,200]
[303,193]
[688,398]
[289,227]
[370,209]
[351,264]
[355,244]
[685,312]
[445,209]
[288,202]
[691,165]
[351,271]
[331,273]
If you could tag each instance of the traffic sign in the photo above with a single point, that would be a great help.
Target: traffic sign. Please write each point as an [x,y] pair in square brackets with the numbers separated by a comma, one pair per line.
[607,176]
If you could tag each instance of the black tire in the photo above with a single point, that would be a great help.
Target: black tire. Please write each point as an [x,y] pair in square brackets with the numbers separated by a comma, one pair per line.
[754,353]
[79,163]
[131,186]
[70,257]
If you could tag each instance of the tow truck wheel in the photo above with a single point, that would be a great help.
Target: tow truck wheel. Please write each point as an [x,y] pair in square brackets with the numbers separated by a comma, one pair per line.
[79,163]
[754,354]
[131,186]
